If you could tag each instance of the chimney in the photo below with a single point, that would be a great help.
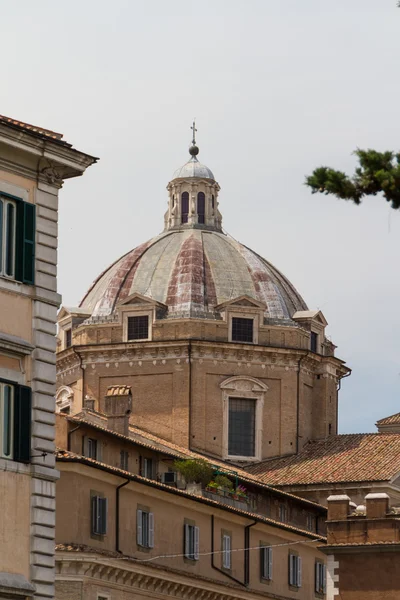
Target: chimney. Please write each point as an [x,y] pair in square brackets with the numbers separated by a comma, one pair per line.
[377,505]
[338,507]
[118,402]
[88,403]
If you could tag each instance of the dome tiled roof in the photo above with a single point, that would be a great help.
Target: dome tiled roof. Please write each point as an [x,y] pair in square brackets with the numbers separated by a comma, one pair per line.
[192,271]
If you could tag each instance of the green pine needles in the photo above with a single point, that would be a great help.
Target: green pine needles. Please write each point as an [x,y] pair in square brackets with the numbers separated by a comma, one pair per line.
[378,172]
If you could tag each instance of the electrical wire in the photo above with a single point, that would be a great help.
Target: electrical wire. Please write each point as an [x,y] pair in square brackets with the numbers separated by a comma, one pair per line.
[161,556]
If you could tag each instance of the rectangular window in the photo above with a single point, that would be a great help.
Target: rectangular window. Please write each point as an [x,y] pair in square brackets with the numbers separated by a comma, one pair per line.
[294,570]
[314,342]
[92,448]
[68,338]
[146,467]
[138,328]
[17,239]
[266,562]
[99,515]
[124,458]
[242,427]
[191,534]
[242,330]
[283,513]
[311,522]
[15,421]
[145,528]
[320,578]
[226,551]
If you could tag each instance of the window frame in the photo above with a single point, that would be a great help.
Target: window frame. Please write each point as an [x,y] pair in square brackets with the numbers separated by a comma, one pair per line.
[185,220]
[144,460]
[226,550]
[144,528]
[320,573]
[124,460]
[21,422]
[10,435]
[295,570]
[23,242]
[201,199]
[127,313]
[254,316]
[191,541]
[99,515]
[243,386]
[253,402]
[266,562]
[139,338]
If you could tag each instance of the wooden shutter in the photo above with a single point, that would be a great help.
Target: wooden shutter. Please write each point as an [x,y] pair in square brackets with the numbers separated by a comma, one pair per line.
[22,423]
[103,505]
[151,530]
[226,548]
[25,242]
[99,451]
[187,540]
[196,543]
[291,573]
[139,528]
[269,563]
[299,571]
[95,514]
[324,578]
[317,578]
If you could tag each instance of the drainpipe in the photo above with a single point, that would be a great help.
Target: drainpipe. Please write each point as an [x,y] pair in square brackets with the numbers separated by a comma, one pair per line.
[117,514]
[247,553]
[298,402]
[69,436]
[190,393]
[212,558]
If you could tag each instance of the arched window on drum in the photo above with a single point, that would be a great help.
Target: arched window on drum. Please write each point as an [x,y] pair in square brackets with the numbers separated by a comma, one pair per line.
[185,207]
[201,207]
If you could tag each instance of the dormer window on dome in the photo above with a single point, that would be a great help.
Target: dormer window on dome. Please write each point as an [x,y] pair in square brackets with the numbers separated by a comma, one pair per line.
[193,195]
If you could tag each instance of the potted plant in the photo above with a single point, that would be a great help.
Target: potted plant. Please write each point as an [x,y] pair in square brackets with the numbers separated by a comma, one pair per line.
[212,486]
[197,472]
[241,493]
[224,484]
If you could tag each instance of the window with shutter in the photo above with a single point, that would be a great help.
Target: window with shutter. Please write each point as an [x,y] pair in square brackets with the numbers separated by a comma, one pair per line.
[145,528]
[266,562]
[294,570]
[99,509]
[191,534]
[320,577]
[124,459]
[15,421]
[17,239]
[226,551]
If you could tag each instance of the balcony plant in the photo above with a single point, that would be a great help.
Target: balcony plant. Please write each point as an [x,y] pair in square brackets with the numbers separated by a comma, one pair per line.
[196,472]
[224,484]
[241,493]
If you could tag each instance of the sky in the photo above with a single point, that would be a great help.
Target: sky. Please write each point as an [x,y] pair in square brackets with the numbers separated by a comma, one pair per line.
[277,88]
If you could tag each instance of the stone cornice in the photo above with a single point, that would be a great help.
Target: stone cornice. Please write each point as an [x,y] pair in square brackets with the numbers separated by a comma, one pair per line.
[120,571]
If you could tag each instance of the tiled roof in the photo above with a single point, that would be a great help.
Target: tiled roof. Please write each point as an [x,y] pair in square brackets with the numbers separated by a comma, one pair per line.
[337,459]
[66,456]
[392,420]
[148,440]
[33,129]
[118,390]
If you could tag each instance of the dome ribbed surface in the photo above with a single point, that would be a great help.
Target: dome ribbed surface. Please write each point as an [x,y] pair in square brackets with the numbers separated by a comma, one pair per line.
[192,271]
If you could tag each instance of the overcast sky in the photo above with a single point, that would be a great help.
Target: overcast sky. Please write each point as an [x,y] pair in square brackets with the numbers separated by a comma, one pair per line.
[278,87]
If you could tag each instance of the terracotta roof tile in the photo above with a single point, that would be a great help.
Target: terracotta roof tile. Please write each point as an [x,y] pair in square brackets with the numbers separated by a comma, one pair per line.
[340,458]
[148,440]
[67,456]
[33,128]
[392,420]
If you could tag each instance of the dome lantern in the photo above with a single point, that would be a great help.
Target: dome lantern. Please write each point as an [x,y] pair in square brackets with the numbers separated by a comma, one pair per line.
[193,195]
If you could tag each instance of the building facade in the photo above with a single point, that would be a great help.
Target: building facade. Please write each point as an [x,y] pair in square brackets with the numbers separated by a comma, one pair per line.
[34,162]
[363,547]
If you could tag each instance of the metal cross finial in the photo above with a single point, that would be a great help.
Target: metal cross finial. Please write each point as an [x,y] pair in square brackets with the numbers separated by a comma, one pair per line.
[193,127]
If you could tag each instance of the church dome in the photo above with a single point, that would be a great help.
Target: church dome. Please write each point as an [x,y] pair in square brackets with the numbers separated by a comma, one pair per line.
[192,271]
[193,168]
[193,267]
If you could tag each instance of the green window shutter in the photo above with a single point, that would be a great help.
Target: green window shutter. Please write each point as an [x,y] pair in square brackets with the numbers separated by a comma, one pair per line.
[22,423]
[25,247]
